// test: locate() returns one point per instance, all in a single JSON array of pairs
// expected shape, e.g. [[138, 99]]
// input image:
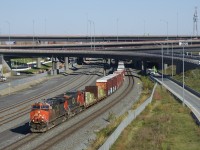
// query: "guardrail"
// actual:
[[132, 115]]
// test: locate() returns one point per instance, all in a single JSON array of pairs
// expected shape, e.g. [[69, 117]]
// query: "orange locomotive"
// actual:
[[47, 114]]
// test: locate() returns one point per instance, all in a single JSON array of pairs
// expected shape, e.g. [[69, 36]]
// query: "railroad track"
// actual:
[[17, 114], [59, 137], [32, 136], [73, 128]]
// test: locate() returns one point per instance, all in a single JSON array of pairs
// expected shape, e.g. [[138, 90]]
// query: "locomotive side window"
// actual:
[[45, 107], [35, 107]]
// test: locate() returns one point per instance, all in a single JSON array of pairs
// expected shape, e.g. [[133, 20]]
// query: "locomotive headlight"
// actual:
[[33, 120]]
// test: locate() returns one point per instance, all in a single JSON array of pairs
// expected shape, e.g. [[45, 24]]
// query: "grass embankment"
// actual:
[[23, 61], [39, 70], [168, 71], [103, 134], [165, 124], [192, 78]]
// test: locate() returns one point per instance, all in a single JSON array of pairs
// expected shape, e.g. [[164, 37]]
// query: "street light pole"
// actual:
[[167, 33], [162, 63], [172, 60], [9, 33], [144, 27], [45, 26], [90, 33], [162, 59], [33, 31], [183, 44], [92, 22], [183, 76], [94, 34], [117, 28]]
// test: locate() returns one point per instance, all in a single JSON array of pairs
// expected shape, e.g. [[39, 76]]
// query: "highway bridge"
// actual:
[[143, 57]]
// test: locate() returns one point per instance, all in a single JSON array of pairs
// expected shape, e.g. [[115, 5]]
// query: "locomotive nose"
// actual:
[[38, 117]]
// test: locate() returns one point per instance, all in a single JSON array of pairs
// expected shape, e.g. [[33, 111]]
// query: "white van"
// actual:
[[3, 78]]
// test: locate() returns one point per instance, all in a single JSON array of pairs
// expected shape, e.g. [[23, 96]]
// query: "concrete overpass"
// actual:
[[140, 58], [98, 38], [141, 49]]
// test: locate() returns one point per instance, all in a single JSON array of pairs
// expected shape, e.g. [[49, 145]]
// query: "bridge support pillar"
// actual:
[[104, 72], [108, 61], [55, 66], [104, 68], [66, 63], [144, 67], [38, 62], [165, 67], [1, 65]]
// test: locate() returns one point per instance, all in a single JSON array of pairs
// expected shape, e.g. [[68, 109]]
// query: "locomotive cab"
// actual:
[[39, 116]]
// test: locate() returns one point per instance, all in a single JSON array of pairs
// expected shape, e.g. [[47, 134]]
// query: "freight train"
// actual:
[[51, 112]]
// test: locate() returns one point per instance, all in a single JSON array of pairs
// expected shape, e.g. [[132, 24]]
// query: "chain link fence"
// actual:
[[131, 116]]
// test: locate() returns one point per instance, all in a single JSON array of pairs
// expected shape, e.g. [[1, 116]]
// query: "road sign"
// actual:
[[183, 43]]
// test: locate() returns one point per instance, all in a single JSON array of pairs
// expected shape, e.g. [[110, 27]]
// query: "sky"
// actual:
[[99, 17]]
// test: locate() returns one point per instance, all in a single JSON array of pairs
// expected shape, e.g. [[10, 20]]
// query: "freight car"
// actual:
[[47, 114]]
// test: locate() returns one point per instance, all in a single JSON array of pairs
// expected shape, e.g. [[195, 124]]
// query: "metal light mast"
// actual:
[[195, 21]]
